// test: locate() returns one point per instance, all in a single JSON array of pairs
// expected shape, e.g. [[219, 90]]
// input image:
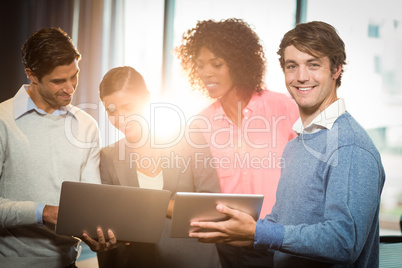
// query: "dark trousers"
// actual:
[[232, 257], [127, 256]]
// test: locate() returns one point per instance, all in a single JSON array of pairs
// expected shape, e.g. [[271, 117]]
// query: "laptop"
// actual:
[[190, 206], [133, 214]]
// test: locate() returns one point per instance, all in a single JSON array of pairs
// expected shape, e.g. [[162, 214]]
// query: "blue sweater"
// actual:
[[328, 200]]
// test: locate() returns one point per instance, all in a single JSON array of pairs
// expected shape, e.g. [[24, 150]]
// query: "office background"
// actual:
[[143, 33]]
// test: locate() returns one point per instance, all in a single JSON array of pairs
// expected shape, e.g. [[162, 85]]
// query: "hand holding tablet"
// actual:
[[237, 230], [191, 207]]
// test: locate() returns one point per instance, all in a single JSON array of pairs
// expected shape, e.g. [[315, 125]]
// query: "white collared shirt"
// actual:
[[325, 119], [148, 182]]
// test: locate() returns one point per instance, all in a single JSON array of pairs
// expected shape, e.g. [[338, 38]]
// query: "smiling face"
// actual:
[[310, 81], [214, 73], [54, 89]]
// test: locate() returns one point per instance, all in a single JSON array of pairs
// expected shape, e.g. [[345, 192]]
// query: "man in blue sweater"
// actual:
[[328, 198]]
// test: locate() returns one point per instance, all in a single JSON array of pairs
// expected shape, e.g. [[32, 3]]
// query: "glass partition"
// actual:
[[372, 82]]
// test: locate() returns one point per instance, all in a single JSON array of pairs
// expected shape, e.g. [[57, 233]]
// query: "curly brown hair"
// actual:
[[235, 42]]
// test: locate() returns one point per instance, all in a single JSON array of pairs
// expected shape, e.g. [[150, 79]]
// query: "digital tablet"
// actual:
[[133, 214], [202, 206]]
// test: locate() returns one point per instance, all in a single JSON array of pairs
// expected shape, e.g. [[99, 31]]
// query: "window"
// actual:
[[377, 64], [143, 39], [372, 88], [373, 30]]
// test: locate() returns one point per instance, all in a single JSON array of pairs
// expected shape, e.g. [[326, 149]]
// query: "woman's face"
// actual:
[[214, 73], [125, 109]]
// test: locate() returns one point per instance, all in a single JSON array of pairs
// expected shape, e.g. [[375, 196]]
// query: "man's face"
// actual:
[[310, 81], [56, 88], [214, 73]]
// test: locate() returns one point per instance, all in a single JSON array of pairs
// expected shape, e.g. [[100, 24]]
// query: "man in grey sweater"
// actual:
[[328, 197], [44, 140]]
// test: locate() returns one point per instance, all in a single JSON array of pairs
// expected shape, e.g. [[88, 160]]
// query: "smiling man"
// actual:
[[328, 197], [44, 140]]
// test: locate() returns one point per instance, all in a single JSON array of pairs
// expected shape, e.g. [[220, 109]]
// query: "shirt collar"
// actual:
[[325, 119], [252, 104], [23, 104]]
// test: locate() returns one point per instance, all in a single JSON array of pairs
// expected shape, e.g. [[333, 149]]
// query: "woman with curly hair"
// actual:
[[248, 126]]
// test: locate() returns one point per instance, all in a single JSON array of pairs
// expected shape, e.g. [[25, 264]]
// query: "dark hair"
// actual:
[[232, 40], [318, 39], [47, 49], [120, 77]]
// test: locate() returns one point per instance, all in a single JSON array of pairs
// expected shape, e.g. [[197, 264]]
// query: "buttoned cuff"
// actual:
[[39, 213]]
